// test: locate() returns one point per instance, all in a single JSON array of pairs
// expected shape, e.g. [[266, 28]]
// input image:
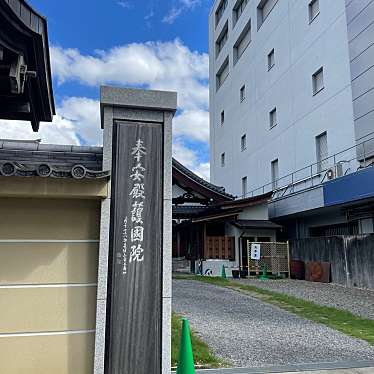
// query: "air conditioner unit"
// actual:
[[330, 174], [335, 172]]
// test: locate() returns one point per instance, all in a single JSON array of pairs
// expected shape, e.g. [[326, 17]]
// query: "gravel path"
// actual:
[[249, 333], [354, 300]]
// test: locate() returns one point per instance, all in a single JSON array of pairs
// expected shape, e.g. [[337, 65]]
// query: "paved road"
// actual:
[[342, 367], [250, 333], [354, 300], [369, 370]]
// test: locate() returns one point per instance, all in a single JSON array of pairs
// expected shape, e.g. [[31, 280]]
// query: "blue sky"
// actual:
[[158, 44]]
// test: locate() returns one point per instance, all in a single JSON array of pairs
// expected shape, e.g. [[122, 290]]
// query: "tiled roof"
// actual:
[[30, 158], [197, 179]]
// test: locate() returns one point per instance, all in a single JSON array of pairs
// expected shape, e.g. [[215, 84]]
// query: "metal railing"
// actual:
[[339, 164]]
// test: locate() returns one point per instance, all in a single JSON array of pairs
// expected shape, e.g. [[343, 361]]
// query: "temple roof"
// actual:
[[189, 178], [25, 72], [30, 157]]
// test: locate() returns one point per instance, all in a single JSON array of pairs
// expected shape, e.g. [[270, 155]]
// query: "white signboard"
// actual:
[[255, 251]]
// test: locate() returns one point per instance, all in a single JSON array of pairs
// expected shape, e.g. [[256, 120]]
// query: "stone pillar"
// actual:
[[127, 116]]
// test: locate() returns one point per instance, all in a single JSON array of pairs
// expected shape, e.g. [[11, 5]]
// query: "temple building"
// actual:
[[211, 228]]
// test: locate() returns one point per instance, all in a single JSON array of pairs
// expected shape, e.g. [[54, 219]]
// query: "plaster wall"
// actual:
[[258, 212], [48, 284]]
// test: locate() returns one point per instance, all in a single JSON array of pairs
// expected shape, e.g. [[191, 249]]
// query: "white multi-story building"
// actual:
[[291, 83]]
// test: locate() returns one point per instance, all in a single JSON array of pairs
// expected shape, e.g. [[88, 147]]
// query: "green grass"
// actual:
[[337, 319], [202, 355]]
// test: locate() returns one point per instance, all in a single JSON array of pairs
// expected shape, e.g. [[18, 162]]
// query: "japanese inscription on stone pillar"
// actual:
[[134, 313]]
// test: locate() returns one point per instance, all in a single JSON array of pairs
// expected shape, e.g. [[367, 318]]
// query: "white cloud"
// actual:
[[190, 3], [124, 4], [193, 124], [189, 158], [155, 65], [158, 65], [84, 114], [77, 121], [203, 170], [181, 7], [149, 15], [61, 131], [172, 15]]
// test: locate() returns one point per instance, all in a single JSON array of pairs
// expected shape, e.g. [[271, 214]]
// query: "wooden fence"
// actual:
[[351, 257]]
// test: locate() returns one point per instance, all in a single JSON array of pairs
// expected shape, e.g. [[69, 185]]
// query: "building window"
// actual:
[[273, 118], [322, 152], [222, 117], [223, 73], [220, 10], [242, 93], [239, 9], [313, 10], [271, 59], [243, 41], [244, 187], [263, 10], [223, 160], [317, 79], [274, 174], [222, 39], [243, 142]]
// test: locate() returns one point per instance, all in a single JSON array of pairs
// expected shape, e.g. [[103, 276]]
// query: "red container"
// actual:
[[297, 269]]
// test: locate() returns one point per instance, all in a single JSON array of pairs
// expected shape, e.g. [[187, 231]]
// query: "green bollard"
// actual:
[[186, 363], [223, 272], [264, 273]]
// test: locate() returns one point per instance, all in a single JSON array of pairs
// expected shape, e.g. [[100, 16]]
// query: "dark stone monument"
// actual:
[[134, 290]]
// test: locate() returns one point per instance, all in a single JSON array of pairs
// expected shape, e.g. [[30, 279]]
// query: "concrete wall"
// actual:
[[360, 21], [301, 48], [48, 280], [297, 203]]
